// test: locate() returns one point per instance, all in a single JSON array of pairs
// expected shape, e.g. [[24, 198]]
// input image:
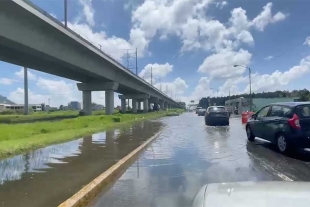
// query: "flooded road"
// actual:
[[49, 176], [189, 154]]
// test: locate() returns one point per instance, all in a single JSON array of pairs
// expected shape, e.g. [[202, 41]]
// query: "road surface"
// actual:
[[189, 154]]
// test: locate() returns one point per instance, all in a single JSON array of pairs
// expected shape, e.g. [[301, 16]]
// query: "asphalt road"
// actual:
[[189, 154]]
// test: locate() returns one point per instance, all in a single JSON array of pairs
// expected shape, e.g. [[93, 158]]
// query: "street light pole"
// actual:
[[65, 12], [250, 82]]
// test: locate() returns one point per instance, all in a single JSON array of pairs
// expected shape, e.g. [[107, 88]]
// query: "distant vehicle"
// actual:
[[285, 194], [201, 112], [287, 125], [198, 109], [216, 115]]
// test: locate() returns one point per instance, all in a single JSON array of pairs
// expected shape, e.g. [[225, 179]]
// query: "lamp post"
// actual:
[[249, 82]]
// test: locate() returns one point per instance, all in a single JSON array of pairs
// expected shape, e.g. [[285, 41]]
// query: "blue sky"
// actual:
[[191, 45]]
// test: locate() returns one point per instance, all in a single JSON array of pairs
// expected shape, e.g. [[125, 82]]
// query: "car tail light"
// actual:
[[294, 122]]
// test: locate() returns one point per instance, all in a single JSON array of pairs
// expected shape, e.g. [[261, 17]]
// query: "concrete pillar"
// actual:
[[109, 102], [145, 105], [150, 107], [134, 105], [123, 105], [162, 105], [139, 105], [26, 106], [165, 105], [87, 102]]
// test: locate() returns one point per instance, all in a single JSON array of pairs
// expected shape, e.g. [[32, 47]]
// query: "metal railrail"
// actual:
[[92, 45]]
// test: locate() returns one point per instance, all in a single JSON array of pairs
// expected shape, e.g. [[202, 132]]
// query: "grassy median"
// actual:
[[17, 138]]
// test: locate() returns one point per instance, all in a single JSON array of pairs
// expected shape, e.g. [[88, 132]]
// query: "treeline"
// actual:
[[303, 95]]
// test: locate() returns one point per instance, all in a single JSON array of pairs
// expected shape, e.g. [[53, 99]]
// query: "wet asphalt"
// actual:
[[185, 156], [188, 155]]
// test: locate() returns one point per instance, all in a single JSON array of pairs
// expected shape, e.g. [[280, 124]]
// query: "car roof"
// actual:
[[291, 104], [216, 106]]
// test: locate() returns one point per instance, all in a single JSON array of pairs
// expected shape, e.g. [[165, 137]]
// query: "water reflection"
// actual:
[[64, 168]]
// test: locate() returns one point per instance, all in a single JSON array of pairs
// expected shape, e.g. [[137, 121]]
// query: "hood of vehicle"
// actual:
[[254, 194]]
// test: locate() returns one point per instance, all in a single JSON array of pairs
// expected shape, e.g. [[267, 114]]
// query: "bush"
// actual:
[[82, 113], [116, 119], [7, 112]]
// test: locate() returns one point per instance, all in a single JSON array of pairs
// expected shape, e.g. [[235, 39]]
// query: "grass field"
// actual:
[[17, 138]]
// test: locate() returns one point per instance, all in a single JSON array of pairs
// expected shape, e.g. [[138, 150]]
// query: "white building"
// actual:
[[35, 107]]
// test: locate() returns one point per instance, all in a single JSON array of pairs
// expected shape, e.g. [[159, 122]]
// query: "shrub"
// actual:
[[82, 113], [116, 119]]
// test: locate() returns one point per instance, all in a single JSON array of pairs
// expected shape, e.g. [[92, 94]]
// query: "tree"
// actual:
[[61, 107]]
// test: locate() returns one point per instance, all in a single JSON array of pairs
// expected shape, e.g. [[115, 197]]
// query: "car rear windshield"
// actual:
[[217, 109], [304, 111]]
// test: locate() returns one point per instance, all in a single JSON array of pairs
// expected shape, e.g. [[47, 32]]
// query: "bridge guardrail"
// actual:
[[91, 44]]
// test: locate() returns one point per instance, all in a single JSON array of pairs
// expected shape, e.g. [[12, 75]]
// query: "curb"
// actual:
[[106, 179]]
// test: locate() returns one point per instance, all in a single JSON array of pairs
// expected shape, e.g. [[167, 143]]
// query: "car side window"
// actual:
[[276, 111], [263, 112]]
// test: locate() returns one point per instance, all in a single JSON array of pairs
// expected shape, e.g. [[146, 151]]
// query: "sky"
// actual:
[[191, 46]]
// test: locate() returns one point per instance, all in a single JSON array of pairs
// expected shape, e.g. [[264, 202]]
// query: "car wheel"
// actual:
[[282, 144], [227, 123], [249, 134]]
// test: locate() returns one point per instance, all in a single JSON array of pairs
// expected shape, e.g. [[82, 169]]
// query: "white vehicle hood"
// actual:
[[252, 194]]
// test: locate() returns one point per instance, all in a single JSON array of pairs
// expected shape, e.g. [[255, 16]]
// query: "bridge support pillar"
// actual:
[[134, 105], [145, 105], [109, 102], [150, 107], [139, 105], [123, 105], [87, 103], [166, 105], [162, 105]]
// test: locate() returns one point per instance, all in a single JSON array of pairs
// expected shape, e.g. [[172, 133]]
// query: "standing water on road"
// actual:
[[49, 176], [188, 154]]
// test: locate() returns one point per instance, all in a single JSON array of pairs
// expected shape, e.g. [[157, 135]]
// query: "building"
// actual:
[[75, 105], [35, 107], [243, 104], [182, 104]]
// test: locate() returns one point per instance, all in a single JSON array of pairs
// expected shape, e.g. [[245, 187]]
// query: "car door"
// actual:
[[257, 124], [271, 124]]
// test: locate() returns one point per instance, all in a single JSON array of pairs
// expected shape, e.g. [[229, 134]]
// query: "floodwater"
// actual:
[[188, 155], [49, 176]]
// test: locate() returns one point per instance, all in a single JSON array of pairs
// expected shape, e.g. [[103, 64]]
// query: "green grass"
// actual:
[[17, 138]]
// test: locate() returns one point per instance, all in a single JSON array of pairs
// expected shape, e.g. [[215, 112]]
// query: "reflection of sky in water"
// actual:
[[38, 160]]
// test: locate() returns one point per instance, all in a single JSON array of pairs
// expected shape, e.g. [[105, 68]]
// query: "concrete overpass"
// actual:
[[32, 38]]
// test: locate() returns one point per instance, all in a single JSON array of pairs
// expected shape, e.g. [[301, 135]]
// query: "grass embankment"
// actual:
[[17, 138], [42, 116]]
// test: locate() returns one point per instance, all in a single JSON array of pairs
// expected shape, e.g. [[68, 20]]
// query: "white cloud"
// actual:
[[188, 21], [6, 81], [20, 74], [265, 18], [269, 57], [17, 96], [173, 89], [88, 11], [113, 46], [221, 65], [307, 41], [277, 80], [221, 4], [158, 70]]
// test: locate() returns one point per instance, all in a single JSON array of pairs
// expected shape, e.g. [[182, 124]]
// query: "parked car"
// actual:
[[216, 115], [254, 194], [287, 125], [201, 112]]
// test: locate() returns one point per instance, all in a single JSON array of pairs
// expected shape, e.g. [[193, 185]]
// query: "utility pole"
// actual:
[[26, 107], [151, 76], [65, 12], [136, 61], [160, 82], [250, 89], [127, 60]]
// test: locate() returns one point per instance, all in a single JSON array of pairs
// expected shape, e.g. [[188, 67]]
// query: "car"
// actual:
[[254, 194], [216, 115], [197, 109], [201, 112], [287, 125]]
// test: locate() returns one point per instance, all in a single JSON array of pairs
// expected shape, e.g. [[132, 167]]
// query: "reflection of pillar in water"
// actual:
[[86, 146], [110, 139]]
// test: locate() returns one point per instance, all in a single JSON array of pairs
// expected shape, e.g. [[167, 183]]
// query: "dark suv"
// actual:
[[287, 125]]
